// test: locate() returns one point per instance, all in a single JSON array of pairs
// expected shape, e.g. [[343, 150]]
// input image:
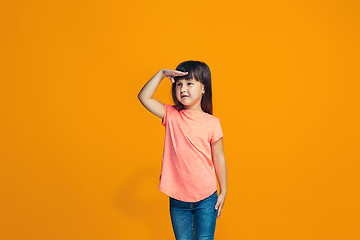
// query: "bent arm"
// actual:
[[150, 87], [146, 95]]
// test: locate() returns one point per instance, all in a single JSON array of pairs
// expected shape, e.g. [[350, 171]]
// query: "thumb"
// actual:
[[217, 205]]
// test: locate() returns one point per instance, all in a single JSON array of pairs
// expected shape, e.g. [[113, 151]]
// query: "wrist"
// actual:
[[223, 192], [161, 73]]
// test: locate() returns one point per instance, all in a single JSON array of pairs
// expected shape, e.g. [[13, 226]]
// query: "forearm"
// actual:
[[221, 173], [150, 87]]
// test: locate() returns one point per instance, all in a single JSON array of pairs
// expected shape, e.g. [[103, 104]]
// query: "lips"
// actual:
[[185, 96]]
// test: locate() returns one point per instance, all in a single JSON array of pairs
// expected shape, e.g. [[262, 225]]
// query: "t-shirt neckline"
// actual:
[[192, 110]]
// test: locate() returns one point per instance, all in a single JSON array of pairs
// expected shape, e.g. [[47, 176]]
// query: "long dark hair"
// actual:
[[201, 72]]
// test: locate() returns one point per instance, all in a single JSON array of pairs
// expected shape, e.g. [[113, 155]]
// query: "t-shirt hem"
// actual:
[[184, 199]]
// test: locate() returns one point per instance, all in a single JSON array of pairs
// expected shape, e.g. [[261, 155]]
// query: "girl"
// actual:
[[193, 150]]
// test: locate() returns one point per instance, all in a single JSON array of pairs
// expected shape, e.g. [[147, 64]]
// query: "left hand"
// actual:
[[220, 203]]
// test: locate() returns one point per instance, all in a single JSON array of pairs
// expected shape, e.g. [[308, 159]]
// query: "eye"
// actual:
[[190, 83]]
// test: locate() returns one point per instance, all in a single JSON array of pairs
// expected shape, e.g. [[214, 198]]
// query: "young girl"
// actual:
[[193, 150]]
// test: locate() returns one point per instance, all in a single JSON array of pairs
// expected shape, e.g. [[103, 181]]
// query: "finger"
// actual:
[[184, 73], [219, 212], [217, 205]]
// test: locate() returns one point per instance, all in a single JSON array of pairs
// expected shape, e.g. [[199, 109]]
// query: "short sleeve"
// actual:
[[217, 132], [166, 113]]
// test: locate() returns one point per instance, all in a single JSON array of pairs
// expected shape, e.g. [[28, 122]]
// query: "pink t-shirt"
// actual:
[[187, 171]]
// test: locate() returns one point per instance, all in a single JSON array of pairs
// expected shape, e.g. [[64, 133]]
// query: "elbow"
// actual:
[[140, 97]]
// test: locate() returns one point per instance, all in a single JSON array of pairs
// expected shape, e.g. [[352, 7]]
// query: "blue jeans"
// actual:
[[194, 220]]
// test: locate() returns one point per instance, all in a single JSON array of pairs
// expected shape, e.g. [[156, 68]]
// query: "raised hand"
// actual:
[[172, 73]]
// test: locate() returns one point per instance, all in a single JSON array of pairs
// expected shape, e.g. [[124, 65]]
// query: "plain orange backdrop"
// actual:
[[81, 157]]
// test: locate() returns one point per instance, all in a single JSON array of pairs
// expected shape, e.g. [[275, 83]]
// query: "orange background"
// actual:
[[81, 157]]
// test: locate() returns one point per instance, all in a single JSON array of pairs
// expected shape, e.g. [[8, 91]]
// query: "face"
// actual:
[[189, 92]]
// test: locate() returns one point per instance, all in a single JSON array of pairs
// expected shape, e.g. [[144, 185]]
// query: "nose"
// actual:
[[182, 89]]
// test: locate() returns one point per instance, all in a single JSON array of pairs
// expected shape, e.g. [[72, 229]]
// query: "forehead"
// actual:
[[187, 80]]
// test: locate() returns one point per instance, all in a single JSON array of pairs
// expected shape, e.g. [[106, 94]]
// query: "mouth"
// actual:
[[184, 96]]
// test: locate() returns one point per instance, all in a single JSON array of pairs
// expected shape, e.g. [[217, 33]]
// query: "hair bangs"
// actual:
[[192, 69]]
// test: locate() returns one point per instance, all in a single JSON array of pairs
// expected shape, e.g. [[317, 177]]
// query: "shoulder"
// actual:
[[170, 108], [209, 121], [212, 118]]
